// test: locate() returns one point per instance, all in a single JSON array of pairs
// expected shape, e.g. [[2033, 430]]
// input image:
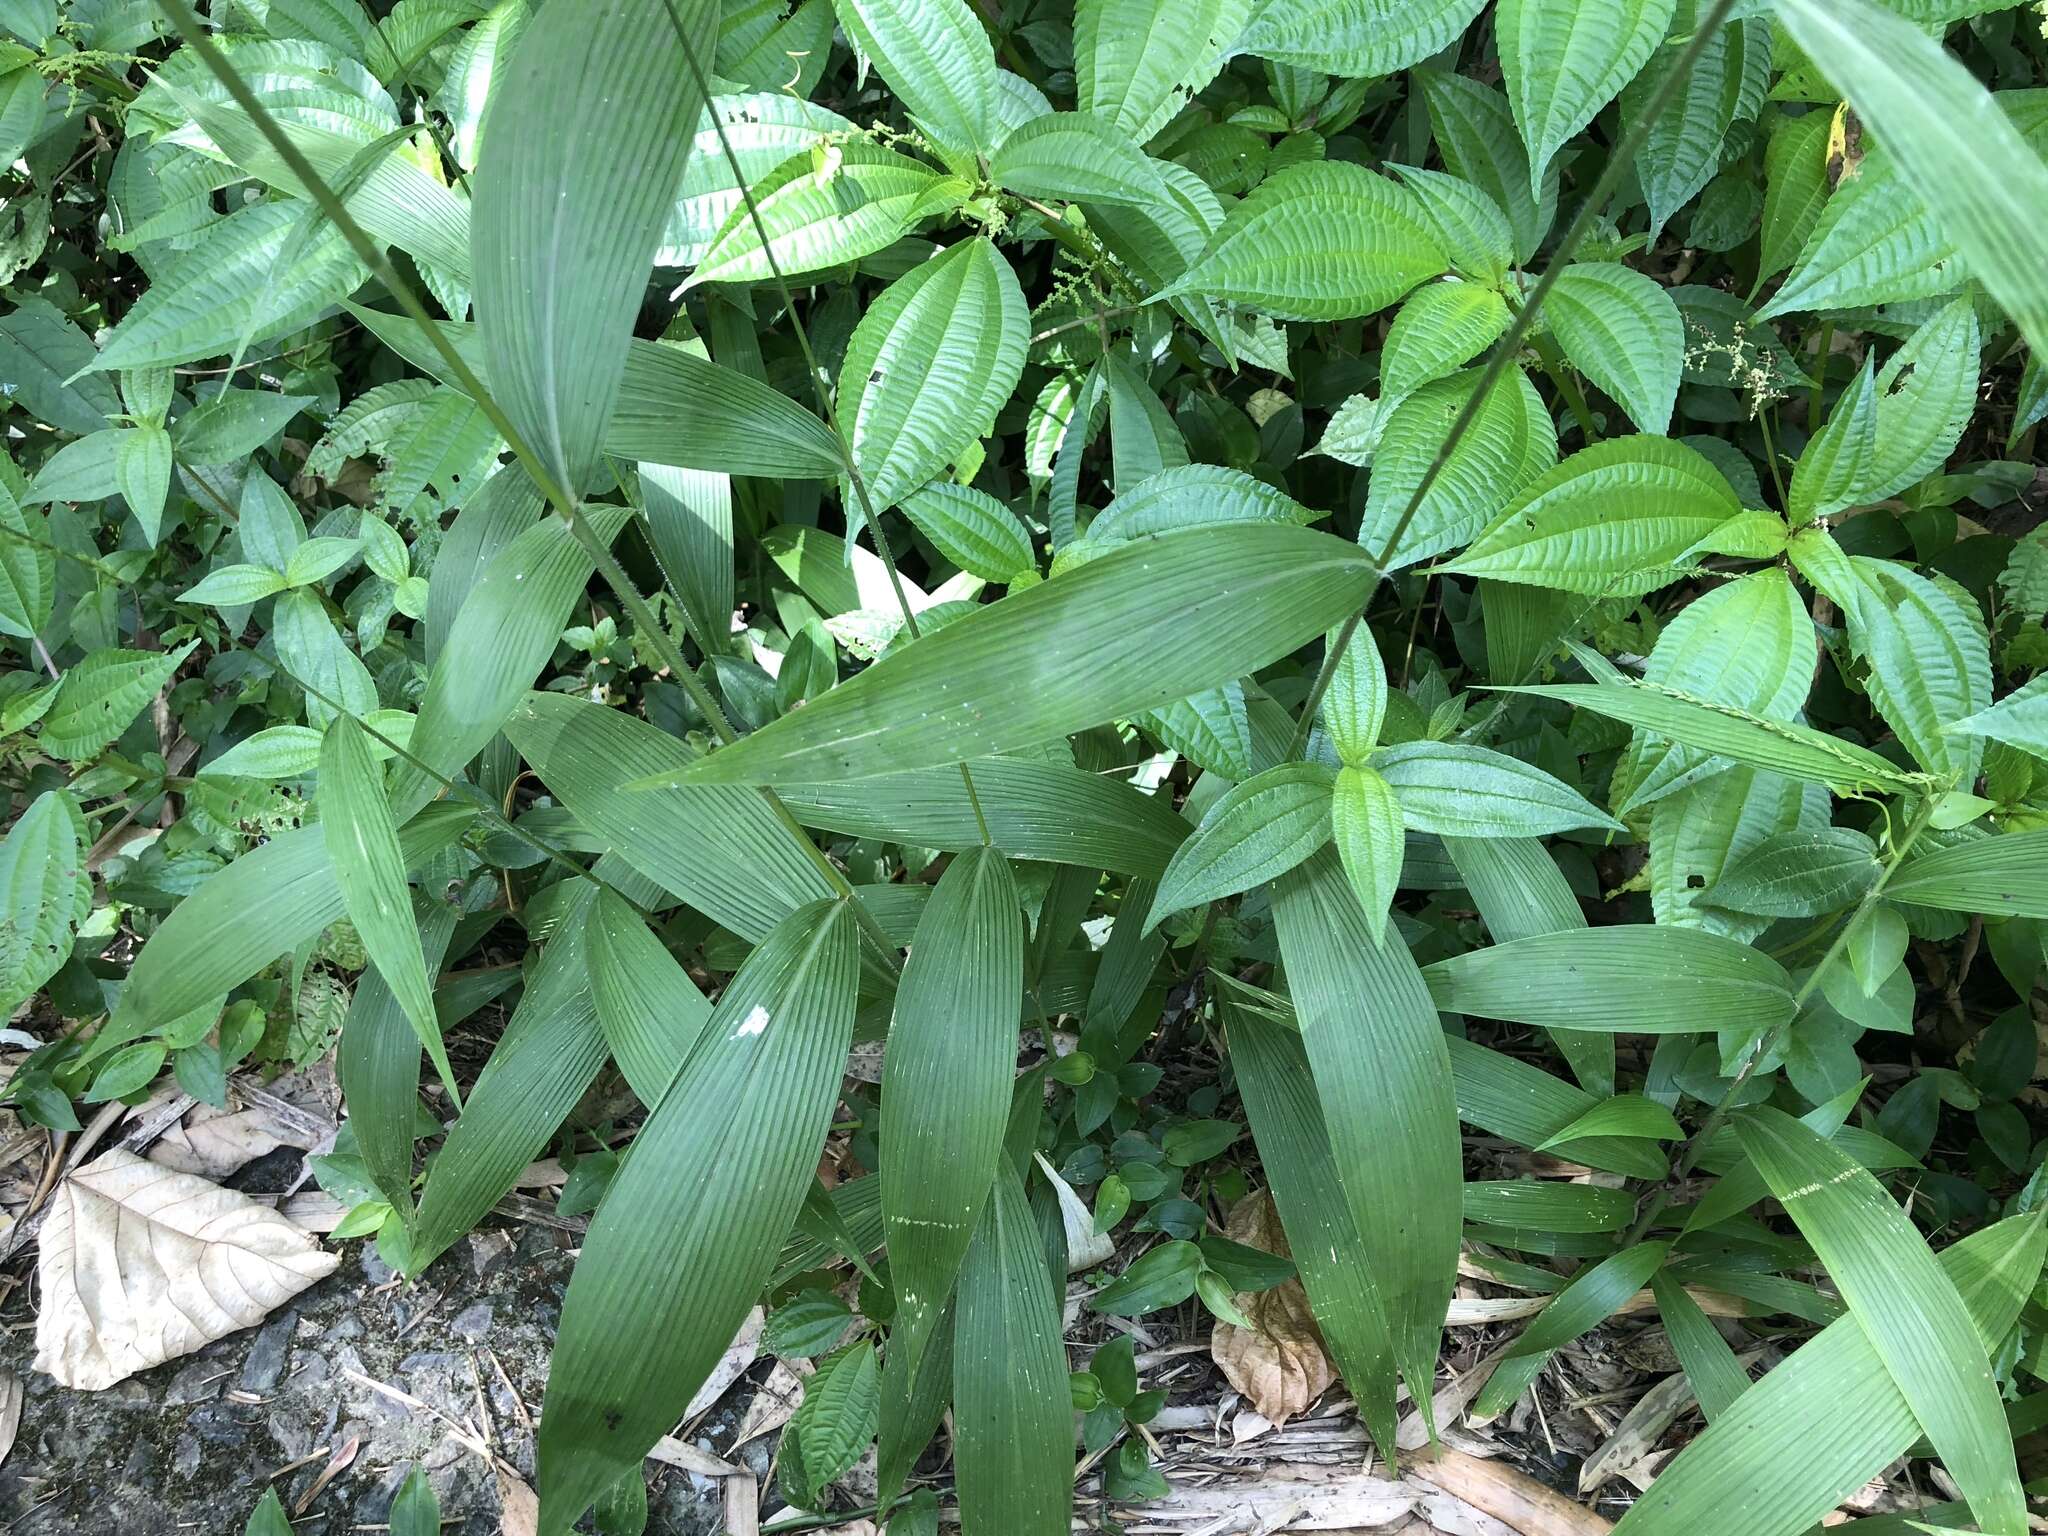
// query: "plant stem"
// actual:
[[1567, 383], [1822, 349]]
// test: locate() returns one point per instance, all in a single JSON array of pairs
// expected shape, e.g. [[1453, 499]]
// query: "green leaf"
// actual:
[[45, 893], [316, 559], [1194, 496], [1321, 241], [1355, 37], [837, 1417], [561, 256], [233, 424], [362, 840], [946, 1082], [666, 1276], [1724, 86], [1355, 703], [293, 751], [970, 528], [1294, 1149], [1875, 242], [1622, 330], [764, 128], [1563, 62], [1629, 1114], [1593, 978], [1367, 826], [1952, 144], [28, 571], [100, 697], [2019, 719], [1930, 663], [1468, 223], [1542, 1205], [1078, 158], [1129, 631], [1998, 876], [1717, 1378], [1925, 394], [1793, 750], [1473, 792], [142, 469], [1800, 874], [1510, 443], [931, 362], [415, 1511], [1475, 128], [1136, 62], [1910, 1311], [1839, 459], [1256, 832], [1795, 188], [651, 1013], [1212, 730], [937, 59], [1162, 1277], [1438, 329], [1593, 1296], [1385, 1084], [1013, 1447], [1612, 518], [269, 1518]]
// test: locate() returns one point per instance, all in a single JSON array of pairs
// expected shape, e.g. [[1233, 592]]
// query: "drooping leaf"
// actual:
[[1256, 832], [937, 58], [1622, 330], [650, 1011], [1564, 62]]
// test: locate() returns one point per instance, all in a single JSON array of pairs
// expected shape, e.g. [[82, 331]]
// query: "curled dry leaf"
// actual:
[[741, 1353], [1086, 1247], [1278, 1363], [142, 1264]]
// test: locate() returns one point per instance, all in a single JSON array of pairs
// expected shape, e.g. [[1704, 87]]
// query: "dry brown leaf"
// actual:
[[141, 1264], [518, 1505], [742, 1505], [10, 1411], [1511, 1497], [1278, 1363], [741, 1353], [214, 1143], [775, 1404], [1086, 1247]]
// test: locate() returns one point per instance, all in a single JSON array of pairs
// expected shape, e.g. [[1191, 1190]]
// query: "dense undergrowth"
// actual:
[[1251, 590]]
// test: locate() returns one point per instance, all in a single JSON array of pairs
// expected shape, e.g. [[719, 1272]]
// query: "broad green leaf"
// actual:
[[313, 652], [1321, 241], [1464, 791], [1908, 1308], [1212, 730], [1724, 86], [1953, 146], [1611, 519], [1564, 61], [1800, 874], [265, 904], [1355, 37], [28, 571], [79, 471], [45, 893], [1193, 496], [937, 59], [1469, 224], [1716, 1377], [1256, 832], [1875, 242], [1355, 703], [317, 559], [1437, 330], [1840, 459], [1475, 128], [862, 198], [1925, 394], [489, 520], [2000, 876], [1930, 663], [560, 255], [722, 850], [227, 288], [2019, 719], [1795, 188], [1793, 750], [931, 362], [1622, 330], [1013, 1447], [42, 352], [666, 1276], [1136, 62], [1367, 826], [1593, 1296], [970, 528], [1130, 631], [142, 469], [1629, 1114], [1295, 1151], [650, 1011], [1078, 158], [1704, 827], [362, 841], [100, 697], [1725, 1484], [946, 1081], [1509, 444], [764, 129], [1593, 978], [415, 1511], [836, 1419], [1385, 1084]]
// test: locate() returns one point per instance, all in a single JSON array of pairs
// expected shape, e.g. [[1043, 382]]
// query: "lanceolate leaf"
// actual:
[[666, 1274], [937, 57], [1994, 875], [1367, 826], [362, 842], [1355, 37], [1564, 62], [1126, 632], [946, 1081], [651, 1013], [1839, 460], [1473, 792], [1623, 332], [560, 255], [1013, 1429], [1385, 1084], [1137, 61], [1908, 1308], [1256, 832], [1592, 1297], [1078, 158]]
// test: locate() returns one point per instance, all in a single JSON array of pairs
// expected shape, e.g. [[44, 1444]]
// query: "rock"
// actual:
[[197, 1382], [265, 1365], [185, 1455], [472, 1322]]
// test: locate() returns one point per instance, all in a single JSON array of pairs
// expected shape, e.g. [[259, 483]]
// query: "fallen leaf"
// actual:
[[1511, 1497], [741, 1353], [10, 1411], [1278, 1363], [1086, 1247], [214, 1143], [141, 1264], [775, 1404], [518, 1505]]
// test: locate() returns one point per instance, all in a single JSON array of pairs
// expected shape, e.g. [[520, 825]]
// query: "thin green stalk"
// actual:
[[825, 406], [1763, 421], [1525, 319], [1814, 403], [1689, 1156], [1567, 383]]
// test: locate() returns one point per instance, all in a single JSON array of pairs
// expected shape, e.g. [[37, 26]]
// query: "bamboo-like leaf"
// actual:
[[1592, 978], [946, 1083], [560, 256], [1129, 631], [666, 1276], [1717, 1378], [651, 1013], [2003, 876], [1384, 1079], [362, 841], [1592, 1297], [1256, 832], [1910, 1311]]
